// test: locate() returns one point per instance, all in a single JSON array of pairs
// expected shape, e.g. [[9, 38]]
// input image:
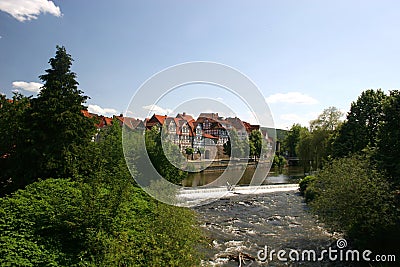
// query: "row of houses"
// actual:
[[205, 134]]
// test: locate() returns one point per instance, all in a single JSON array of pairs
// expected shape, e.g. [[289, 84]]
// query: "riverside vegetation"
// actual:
[[68, 201], [356, 186]]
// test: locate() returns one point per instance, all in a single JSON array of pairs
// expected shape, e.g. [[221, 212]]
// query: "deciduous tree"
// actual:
[[361, 126], [255, 143], [14, 142], [292, 138], [388, 143]]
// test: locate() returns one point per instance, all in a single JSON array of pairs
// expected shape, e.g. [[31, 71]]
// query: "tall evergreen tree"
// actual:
[[59, 126]]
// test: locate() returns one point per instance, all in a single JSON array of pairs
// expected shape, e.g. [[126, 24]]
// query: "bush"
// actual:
[[356, 199], [42, 225], [306, 188], [303, 184], [279, 161], [57, 222], [310, 194]]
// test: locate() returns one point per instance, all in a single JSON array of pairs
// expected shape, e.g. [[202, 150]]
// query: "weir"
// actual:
[[198, 195]]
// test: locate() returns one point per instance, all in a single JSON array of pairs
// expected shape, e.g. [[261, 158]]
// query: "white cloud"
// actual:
[[102, 111], [285, 121], [157, 109], [31, 86], [29, 9], [292, 98], [291, 117]]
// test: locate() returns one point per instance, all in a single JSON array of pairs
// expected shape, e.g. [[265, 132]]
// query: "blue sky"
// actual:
[[303, 55]]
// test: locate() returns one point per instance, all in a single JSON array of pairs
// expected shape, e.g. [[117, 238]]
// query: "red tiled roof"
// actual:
[[86, 113], [191, 124], [120, 118], [179, 124], [209, 136], [155, 120], [249, 127], [108, 121], [160, 118], [236, 123], [136, 123], [185, 117], [213, 116]]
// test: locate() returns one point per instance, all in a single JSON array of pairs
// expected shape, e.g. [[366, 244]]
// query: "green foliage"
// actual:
[[349, 193], [98, 217], [328, 120], [57, 222], [157, 152], [13, 142], [305, 182], [354, 198], [58, 125], [189, 151], [292, 138], [304, 150], [42, 225], [307, 188], [279, 161], [128, 227], [389, 138], [240, 148], [361, 126], [313, 146], [255, 143], [43, 135]]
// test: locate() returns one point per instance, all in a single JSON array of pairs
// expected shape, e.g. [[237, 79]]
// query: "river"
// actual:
[[286, 176], [240, 226]]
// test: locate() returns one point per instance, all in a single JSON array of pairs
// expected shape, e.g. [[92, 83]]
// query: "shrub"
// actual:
[[279, 161], [303, 184], [306, 187], [57, 222], [356, 199], [41, 225]]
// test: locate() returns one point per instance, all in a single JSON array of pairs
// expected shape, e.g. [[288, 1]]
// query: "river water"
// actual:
[[286, 176], [240, 226]]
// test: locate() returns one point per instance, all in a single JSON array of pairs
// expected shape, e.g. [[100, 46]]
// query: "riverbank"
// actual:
[[244, 224]]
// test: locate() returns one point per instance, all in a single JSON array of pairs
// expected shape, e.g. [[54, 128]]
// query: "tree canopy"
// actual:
[[68, 201], [58, 125], [361, 126], [313, 145], [388, 137]]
